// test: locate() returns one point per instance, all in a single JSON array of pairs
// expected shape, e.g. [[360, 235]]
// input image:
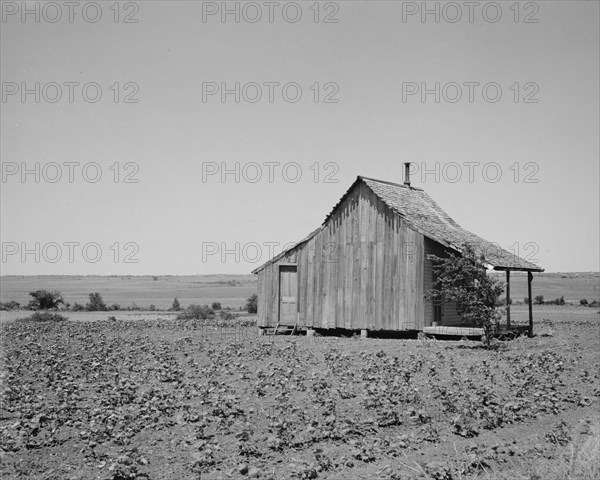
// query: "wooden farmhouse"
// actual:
[[368, 266]]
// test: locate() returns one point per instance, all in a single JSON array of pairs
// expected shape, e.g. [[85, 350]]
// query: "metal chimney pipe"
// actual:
[[407, 174]]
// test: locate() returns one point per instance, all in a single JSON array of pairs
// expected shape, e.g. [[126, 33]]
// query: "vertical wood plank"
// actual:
[[333, 272], [401, 239], [261, 299], [380, 267], [394, 273], [427, 281], [349, 262], [310, 282], [340, 268], [363, 223], [408, 277], [273, 286], [529, 279], [303, 281], [372, 259], [331, 294], [318, 280], [508, 298], [419, 317], [324, 293], [356, 261], [387, 271]]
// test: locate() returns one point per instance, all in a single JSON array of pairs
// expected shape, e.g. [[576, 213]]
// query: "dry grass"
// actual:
[[579, 460], [583, 463]]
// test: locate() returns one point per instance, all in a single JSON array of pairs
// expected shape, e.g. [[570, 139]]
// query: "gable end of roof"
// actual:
[[423, 215]]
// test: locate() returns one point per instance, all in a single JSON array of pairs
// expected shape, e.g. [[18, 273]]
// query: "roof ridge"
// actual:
[[362, 177], [423, 214]]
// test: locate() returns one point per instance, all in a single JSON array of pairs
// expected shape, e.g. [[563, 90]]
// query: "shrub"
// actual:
[[583, 301], [78, 307], [45, 300], [152, 308], [175, 307], [252, 304], [216, 306], [227, 315], [45, 317], [96, 304], [538, 300], [134, 307], [10, 305], [594, 304], [115, 306], [526, 300], [464, 279], [196, 312]]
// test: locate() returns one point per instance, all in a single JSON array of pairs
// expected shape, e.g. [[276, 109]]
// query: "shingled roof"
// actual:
[[420, 212]]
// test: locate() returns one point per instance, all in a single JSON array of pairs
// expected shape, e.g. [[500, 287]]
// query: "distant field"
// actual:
[[573, 286], [519, 314], [95, 316], [229, 290], [233, 290]]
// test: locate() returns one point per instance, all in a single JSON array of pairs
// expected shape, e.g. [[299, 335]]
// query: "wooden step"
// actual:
[[454, 331], [278, 330]]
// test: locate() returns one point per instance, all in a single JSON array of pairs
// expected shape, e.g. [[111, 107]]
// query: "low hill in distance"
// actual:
[[233, 290]]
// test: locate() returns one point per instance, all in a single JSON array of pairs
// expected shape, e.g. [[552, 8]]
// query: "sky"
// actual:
[[173, 137]]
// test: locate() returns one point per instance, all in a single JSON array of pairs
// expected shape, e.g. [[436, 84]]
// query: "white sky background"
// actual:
[[171, 212]]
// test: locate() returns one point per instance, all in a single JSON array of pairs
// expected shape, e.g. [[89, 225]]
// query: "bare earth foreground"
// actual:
[[169, 399]]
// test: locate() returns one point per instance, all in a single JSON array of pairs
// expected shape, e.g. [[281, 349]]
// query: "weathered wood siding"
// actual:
[[268, 291], [363, 270]]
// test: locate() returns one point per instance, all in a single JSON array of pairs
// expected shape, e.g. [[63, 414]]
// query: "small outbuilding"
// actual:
[[368, 266]]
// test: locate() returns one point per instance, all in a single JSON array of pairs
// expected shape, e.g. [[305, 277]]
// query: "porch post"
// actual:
[[529, 279], [508, 299]]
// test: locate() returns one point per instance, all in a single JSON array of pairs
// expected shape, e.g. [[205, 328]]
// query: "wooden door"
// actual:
[[288, 291]]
